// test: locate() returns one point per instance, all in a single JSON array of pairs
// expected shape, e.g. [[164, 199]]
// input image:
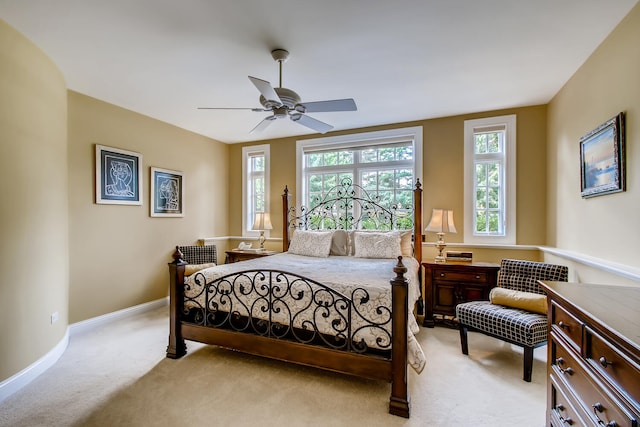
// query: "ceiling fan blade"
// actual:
[[266, 89], [329, 106], [231, 108], [311, 123], [263, 124]]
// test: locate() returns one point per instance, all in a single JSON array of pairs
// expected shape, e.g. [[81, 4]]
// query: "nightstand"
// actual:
[[235, 255], [449, 284]]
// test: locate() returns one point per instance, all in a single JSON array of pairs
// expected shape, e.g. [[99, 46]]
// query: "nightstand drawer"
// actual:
[[568, 325], [621, 372], [461, 276]]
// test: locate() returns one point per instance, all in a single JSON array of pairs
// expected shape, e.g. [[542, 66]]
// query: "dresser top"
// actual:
[[615, 307]]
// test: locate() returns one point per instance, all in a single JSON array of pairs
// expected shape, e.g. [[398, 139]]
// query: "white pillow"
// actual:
[[406, 240], [406, 244], [311, 243], [377, 245]]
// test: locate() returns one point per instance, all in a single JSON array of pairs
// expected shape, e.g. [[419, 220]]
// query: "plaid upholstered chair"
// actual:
[[199, 254], [514, 325]]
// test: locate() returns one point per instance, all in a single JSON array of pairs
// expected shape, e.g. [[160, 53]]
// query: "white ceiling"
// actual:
[[400, 60]]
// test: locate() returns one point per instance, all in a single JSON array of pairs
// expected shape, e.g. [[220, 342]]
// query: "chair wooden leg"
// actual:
[[463, 338], [528, 364]]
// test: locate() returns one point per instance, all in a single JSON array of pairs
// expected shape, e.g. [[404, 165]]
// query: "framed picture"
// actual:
[[118, 176], [602, 159], [166, 192]]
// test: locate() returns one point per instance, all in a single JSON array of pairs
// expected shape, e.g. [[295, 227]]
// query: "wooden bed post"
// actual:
[[399, 400], [417, 221], [285, 219], [177, 347]]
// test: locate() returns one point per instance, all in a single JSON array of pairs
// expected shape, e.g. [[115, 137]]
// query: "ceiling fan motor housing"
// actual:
[[288, 97]]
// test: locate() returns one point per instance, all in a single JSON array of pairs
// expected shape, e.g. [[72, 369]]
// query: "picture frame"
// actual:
[[166, 193], [602, 159], [118, 176]]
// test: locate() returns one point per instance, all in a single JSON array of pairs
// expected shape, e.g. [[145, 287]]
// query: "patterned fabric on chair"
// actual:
[[199, 254], [513, 325]]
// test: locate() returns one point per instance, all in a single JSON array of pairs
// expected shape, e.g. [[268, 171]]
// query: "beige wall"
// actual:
[[119, 254], [34, 210], [605, 227], [443, 173]]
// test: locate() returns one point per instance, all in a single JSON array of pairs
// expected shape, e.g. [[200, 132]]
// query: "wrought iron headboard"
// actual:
[[349, 206]]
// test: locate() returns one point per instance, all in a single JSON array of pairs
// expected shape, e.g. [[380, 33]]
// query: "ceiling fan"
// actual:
[[283, 102]]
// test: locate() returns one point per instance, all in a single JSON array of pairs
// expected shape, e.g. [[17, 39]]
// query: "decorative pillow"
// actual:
[[529, 301], [339, 241], [189, 269], [406, 244], [376, 245], [311, 243]]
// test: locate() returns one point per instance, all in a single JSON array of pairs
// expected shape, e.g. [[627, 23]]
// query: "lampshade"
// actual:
[[262, 221], [441, 221]]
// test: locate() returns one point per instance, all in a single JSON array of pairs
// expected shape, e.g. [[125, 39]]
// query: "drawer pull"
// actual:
[[604, 362], [477, 277], [599, 408], [563, 325], [559, 363], [441, 274], [568, 420]]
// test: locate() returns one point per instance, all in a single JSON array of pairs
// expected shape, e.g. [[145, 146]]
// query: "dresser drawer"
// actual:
[[460, 276], [602, 408], [563, 408], [623, 373], [567, 324]]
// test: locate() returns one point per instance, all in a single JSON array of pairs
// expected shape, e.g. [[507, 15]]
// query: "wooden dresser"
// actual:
[[593, 355]]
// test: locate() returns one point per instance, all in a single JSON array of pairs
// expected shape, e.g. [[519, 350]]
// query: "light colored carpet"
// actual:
[[117, 375]]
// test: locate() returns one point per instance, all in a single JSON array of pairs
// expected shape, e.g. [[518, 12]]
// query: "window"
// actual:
[[384, 163], [490, 171], [255, 185]]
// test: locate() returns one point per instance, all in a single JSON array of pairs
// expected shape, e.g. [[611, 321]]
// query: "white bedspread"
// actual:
[[346, 275]]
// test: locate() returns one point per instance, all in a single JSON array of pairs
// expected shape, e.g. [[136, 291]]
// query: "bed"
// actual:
[[340, 297]]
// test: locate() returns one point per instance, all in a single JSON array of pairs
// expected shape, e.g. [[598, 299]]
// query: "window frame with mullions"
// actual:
[[360, 142], [505, 159]]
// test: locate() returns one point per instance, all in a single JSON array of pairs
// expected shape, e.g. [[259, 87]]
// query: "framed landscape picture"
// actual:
[[166, 193], [602, 159], [118, 176]]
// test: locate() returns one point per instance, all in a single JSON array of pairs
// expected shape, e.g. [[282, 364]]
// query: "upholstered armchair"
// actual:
[[519, 326], [199, 254]]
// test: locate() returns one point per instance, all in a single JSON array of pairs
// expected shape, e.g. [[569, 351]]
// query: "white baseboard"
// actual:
[[94, 322], [31, 372]]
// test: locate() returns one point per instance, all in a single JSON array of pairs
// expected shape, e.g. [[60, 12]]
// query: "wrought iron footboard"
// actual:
[[283, 305]]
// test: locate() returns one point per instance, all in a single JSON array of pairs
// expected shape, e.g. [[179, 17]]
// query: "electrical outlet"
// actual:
[[54, 317]]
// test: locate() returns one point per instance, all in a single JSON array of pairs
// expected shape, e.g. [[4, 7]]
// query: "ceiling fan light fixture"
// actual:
[[281, 112]]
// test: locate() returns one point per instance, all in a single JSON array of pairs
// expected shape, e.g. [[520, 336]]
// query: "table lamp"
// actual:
[[441, 223], [262, 222]]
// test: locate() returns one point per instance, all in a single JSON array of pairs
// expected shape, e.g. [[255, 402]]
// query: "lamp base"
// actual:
[[440, 245], [261, 239]]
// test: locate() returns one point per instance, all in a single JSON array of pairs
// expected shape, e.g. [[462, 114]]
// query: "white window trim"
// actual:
[[357, 140], [246, 152], [509, 122]]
